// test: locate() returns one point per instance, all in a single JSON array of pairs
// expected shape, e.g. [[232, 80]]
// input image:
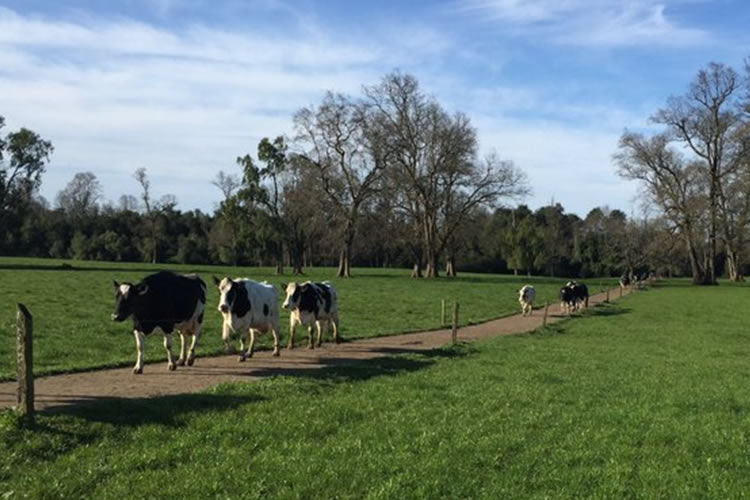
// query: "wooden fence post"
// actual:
[[442, 312], [620, 292], [25, 363], [454, 332], [607, 299], [546, 308]]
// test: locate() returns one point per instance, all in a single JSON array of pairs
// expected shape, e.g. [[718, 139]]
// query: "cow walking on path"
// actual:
[[526, 296], [312, 303], [167, 301], [248, 307]]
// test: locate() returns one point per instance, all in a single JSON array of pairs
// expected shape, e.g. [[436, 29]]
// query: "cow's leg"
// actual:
[[139, 344], [243, 340], [183, 343], [251, 348], [310, 343], [292, 326], [275, 342], [226, 336], [335, 324], [194, 344], [318, 327], [168, 346]]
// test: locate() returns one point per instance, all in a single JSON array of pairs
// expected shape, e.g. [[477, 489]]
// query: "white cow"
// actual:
[[248, 307], [526, 296], [312, 303]]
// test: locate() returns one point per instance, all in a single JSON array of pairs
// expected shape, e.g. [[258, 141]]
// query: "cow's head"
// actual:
[[229, 292], [125, 296], [293, 294]]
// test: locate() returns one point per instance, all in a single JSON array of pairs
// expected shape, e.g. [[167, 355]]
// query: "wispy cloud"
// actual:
[[612, 23]]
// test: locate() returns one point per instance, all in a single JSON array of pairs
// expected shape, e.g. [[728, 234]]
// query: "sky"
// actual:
[[184, 87]]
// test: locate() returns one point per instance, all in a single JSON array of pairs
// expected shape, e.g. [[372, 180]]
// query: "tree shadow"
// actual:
[[168, 411]]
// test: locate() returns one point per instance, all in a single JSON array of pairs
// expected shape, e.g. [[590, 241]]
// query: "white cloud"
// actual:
[[596, 23], [114, 95]]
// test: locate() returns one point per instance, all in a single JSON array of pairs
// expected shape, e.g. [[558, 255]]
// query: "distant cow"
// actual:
[[167, 301], [624, 281], [248, 307], [573, 297], [567, 299], [312, 303], [526, 296]]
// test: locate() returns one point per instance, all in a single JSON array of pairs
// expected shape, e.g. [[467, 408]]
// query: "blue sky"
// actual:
[[183, 87]]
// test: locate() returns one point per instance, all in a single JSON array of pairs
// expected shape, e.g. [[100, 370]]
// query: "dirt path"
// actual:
[[75, 388]]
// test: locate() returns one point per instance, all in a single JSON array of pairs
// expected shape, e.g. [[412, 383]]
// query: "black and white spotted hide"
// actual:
[[312, 303]]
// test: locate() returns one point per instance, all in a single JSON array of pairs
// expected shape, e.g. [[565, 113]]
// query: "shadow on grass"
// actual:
[[69, 267], [165, 410]]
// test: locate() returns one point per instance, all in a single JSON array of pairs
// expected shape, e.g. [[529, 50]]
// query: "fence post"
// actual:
[[620, 292], [546, 308], [25, 363], [454, 332], [607, 299], [442, 312]]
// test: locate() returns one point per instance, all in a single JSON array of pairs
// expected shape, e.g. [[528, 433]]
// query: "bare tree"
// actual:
[[81, 195], [346, 153], [434, 163], [708, 120], [227, 183], [674, 185]]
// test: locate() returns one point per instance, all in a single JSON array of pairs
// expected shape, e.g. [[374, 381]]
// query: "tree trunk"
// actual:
[[450, 267], [733, 265], [416, 271], [699, 275], [431, 269], [344, 269]]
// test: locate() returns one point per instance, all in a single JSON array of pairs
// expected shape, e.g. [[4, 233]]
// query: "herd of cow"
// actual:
[[172, 302], [573, 297]]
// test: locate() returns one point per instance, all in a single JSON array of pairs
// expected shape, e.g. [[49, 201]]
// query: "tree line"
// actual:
[[390, 178]]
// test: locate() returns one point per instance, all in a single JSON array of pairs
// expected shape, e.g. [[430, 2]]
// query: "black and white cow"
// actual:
[[167, 301], [625, 281], [311, 303], [567, 299], [526, 296], [248, 307], [581, 293]]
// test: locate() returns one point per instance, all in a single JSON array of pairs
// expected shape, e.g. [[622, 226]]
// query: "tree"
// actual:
[[81, 195], [154, 210], [433, 163], [708, 120], [23, 158], [674, 185], [346, 153]]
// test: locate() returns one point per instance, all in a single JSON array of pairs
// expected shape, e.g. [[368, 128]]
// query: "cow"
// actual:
[[526, 296], [311, 303], [581, 294], [625, 281], [167, 301], [567, 299], [247, 306]]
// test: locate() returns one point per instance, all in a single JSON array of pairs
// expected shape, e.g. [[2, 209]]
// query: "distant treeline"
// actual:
[[390, 178]]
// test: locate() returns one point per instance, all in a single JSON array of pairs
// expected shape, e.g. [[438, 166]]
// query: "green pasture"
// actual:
[[646, 398], [72, 307]]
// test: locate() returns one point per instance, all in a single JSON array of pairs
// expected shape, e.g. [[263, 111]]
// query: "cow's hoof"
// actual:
[[138, 370], [171, 367], [290, 346], [310, 346], [190, 361], [241, 359], [276, 353], [318, 344], [180, 362], [336, 340]]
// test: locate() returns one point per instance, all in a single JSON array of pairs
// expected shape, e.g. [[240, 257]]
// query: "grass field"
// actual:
[[648, 397], [72, 307]]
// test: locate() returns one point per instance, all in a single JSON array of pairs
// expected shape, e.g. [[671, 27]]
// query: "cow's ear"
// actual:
[[305, 287], [216, 281], [283, 287], [116, 284], [142, 289]]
